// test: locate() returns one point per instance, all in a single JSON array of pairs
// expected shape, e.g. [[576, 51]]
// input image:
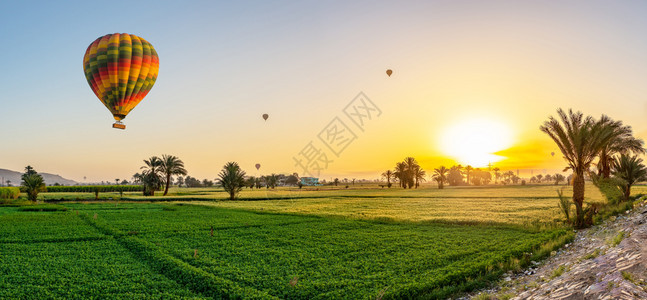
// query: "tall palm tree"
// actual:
[[419, 175], [232, 179], [272, 180], [440, 175], [497, 174], [388, 174], [468, 169], [411, 165], [622, 142], [250, 182], [401, 173], [580, 139], [151, 177], [171, 165], [631, 170]]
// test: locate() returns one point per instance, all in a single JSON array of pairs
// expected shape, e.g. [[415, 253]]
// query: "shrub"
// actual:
[[564, 204], [617, 239], [9, 192], [612, 188]]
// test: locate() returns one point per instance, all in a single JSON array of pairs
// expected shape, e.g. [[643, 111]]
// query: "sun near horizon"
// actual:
[[475, 141]]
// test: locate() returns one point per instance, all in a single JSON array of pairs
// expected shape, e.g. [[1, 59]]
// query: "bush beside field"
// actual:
[[9, 193]]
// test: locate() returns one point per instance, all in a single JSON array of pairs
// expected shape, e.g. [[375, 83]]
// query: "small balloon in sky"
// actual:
[[389, 72], [120, 69], [258, 166], [552, 154], [265, 116]]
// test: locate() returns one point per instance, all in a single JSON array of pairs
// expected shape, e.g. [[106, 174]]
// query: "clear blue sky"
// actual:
[[223, 64]]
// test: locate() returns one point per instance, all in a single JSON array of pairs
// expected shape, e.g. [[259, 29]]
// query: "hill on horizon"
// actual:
[[50, 179]]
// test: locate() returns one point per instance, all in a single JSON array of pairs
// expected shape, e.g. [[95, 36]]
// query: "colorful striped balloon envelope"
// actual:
[[121, 69]]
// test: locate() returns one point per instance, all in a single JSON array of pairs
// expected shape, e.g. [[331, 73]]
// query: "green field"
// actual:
[[288, 243]]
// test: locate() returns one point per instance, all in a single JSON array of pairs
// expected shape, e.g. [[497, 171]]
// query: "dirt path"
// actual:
[[607, 261]]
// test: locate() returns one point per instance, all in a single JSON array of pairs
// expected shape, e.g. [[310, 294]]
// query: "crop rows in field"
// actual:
[[299, 257], [45, 255]]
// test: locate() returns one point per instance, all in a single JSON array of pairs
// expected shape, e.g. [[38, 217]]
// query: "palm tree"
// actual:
[[411, 165], [580, 139], [250, 182], [455, 176], [468, 169], [548, 178], [440, 175], [401, 173], [171, 165], [388, 174], [419, 175], [497, 174], [631, 170], [34, 184], [29, 170], [150, 176], [232, 179], [622, 142], [272, 180]]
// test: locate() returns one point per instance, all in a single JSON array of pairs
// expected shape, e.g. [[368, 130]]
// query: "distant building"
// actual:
[[310, 181]]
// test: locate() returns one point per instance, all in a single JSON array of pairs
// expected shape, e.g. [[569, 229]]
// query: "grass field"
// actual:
[[250, 254], [286, 243]]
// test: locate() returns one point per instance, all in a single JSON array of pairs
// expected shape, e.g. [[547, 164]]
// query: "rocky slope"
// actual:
[[607, 261]]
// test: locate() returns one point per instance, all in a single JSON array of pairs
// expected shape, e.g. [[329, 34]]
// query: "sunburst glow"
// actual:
[[475, 141]]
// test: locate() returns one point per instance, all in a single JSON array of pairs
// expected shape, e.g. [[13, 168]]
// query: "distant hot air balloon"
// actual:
[[258, 166], [265, 116], [121, 69], [552, 154], [389, 72]]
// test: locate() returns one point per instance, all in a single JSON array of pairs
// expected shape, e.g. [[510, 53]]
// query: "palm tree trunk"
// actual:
[[578, 197], [605, 165], [168, 181], [627, 192]]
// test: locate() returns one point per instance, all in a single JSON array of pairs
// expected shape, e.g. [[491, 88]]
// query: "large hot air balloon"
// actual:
[[121, 69], [265, 116], [258, 166], [389, 72]]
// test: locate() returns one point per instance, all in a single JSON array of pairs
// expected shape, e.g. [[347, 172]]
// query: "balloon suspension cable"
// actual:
[[119, 125]]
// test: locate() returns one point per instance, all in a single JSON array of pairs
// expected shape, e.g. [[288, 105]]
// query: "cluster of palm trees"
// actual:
[[459, 175], [582, 140], [269, 181], [557, 178], [407, 173], [157, 172]]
